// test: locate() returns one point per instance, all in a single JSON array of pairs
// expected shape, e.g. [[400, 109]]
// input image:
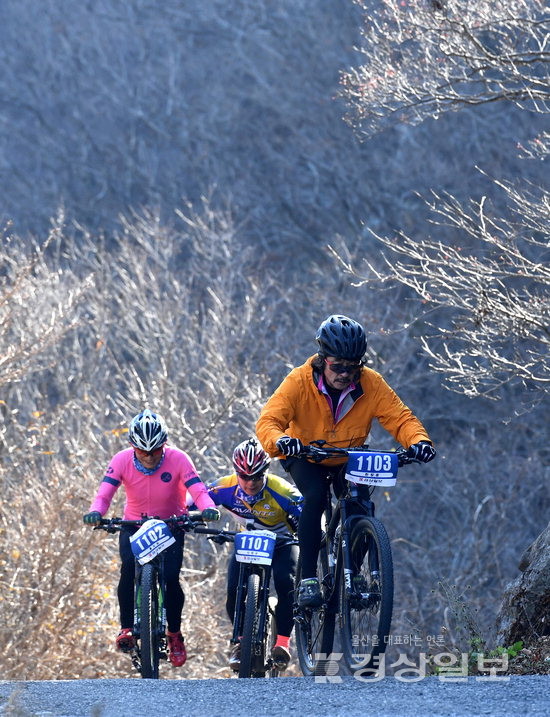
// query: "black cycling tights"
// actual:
[[174, 594], [311, 481]]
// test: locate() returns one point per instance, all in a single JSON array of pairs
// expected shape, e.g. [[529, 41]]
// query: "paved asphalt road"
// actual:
[[390, 697]]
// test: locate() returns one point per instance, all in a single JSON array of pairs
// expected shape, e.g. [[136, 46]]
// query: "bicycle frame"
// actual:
[[343, 517]]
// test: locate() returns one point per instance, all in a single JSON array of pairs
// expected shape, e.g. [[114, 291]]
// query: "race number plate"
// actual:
[[152, 538], [255, 546], [372, 468]]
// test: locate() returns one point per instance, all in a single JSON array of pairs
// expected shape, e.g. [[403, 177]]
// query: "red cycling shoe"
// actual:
[[125, 641], [177, 653]]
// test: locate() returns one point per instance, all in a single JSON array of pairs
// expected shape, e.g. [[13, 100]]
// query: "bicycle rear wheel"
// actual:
[[314, 628], [367, 612], [249, 625], [149, 632]]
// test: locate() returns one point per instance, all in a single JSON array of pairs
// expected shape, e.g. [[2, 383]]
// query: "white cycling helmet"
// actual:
[[147, 431]]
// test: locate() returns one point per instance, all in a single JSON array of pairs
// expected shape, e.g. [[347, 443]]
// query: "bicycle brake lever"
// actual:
[[403, 458]]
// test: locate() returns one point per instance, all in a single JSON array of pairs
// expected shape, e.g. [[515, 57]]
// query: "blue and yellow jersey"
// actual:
[[277, 507]]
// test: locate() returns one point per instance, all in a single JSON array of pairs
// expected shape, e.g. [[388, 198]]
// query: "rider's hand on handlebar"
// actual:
[[423, 451], [210, 514], [92, 518], [289, 446]]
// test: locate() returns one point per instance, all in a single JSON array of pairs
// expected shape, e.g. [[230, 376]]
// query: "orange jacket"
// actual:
[[299, 409]]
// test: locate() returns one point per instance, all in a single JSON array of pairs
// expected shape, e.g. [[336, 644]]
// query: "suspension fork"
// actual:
[[345, 522], [359, 496], [348, 516], [244, 571], [137, 596], [364, 494], [161, 578]]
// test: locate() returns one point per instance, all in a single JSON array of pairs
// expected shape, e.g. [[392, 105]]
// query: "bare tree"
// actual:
[[36, 307], [482, 279], [491, 305], [426, 57], [184, 318]]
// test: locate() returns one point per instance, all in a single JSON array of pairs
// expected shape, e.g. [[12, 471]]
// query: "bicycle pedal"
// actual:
[[126, 649]]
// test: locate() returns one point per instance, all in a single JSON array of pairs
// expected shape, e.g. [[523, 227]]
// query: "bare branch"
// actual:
[[422, 61]]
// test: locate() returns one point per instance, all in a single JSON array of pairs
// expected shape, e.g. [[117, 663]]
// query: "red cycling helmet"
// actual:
[[250, 458]]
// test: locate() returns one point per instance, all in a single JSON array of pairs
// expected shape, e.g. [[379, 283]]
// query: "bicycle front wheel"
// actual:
[[149, 633], [249, 625], [314, 627], [367, 608]]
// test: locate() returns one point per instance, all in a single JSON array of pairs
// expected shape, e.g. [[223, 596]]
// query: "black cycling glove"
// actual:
[[421, 451], [289, 446], [92, 518]]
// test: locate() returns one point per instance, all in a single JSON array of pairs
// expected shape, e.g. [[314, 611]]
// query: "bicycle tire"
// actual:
[[263, 637], [314, 628], [149, 634], [249, 625], [366, 616]]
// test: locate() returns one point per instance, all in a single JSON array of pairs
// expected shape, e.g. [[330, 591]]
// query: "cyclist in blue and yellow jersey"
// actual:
[[253, 494]]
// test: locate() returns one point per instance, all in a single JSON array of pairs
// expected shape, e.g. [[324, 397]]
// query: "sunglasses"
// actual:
[[256, 477], [154, 452], [342, 367]]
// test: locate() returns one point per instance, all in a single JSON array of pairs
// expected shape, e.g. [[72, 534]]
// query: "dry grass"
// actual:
[[533, 659], [206, 350], [74, 611]]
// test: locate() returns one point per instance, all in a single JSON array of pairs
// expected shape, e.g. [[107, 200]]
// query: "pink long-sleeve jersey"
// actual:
[[163, 493]]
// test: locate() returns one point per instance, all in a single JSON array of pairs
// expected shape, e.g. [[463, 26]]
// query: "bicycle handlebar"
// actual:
[[228, 536], [318, 451], [191, 521]]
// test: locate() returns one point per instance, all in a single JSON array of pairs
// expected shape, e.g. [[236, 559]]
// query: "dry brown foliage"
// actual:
[[202, 330]]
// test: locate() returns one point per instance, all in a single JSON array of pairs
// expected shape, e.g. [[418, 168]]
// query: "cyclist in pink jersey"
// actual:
[[156, 479]]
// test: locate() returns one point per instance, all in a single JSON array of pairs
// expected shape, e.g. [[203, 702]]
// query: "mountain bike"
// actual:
[[254, 624], [355, 567], [151, 537]]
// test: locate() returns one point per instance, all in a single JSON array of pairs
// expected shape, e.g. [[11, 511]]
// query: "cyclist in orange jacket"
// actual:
[[334, 397]]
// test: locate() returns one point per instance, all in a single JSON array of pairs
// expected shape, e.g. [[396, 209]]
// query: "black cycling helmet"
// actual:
[[341, 337]]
